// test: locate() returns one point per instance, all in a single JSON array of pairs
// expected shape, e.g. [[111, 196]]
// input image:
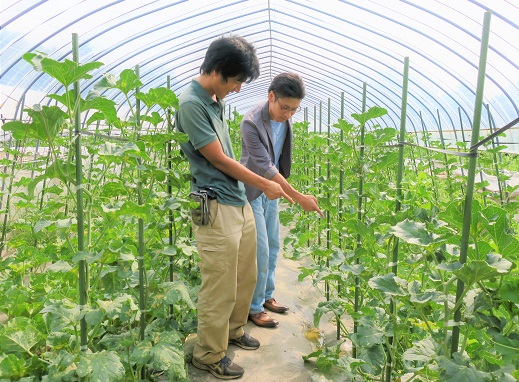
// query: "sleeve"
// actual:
[[257, 149], [195, 122]]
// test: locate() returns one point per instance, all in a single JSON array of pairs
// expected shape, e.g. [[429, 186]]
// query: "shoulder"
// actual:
[[255, 114]]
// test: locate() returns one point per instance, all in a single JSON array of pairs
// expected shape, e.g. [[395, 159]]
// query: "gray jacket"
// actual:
[[257, 153]]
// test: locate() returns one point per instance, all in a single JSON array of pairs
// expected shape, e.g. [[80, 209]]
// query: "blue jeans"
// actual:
[[267, 230]]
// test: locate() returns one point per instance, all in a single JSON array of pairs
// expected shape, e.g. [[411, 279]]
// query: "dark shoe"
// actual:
[[273, 306], [246, 342], [262, 319], [223, 369]]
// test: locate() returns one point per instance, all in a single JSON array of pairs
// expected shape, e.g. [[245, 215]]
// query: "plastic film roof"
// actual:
[[335, 45]]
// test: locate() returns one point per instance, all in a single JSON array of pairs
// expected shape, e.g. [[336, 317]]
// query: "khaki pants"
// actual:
[[227, 248]]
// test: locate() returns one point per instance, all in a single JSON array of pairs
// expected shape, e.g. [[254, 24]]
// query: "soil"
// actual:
[[279, 358]]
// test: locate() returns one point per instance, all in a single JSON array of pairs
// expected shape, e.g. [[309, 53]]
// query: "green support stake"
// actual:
[[140, 230], [431, 167], [359, 211], [83, 293], [328, 195], [442, 140], [494, 156], [171, 222], [467, 212], [399, 177]]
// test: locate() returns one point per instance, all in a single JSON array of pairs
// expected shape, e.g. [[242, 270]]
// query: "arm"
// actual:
[[213, 152], [261, 159], [307, 202]]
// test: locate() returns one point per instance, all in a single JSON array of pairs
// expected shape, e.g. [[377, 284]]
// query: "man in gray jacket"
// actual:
[[267, 151]]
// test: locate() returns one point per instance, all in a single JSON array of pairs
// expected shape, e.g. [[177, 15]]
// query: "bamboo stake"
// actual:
[[341, 191], [399, 176], [359, 211], [467, 212], [494, 156], [83, 298]]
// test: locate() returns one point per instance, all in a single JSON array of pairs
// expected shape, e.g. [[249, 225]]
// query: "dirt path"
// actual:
[[279, 358]]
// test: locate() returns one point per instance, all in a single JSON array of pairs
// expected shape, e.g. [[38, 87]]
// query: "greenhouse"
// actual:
[[279, 190]]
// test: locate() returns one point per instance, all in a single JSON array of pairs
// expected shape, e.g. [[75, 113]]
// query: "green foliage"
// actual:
[[127, 168], [408, 316]]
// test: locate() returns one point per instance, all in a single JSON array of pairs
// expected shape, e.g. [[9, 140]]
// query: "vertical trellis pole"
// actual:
[[79, 195], [319, 188], [328, 195], [445, 159], [140, 232], [494, 156], [341, 191], [359, 211], [427, 143], [399, 176], [315, 160], [171, 222], [467, 209]]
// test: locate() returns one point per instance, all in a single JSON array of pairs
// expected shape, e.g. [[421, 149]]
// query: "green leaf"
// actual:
[[478, 270], [419, 297], [93, 316], [165, 356], [154, 119], [324, 307], [115, 150], [65, 223], [498, 225], [59, 316], [41, 224], [59, 266], [103, 366], [450, 267], [460, 371], [46, 123], [373, 358], [66, 72], [422, 351], [505, 345], [12, 367], [103, 105], [177, 291], [123, 307], [22, 340], [139, 211], [128, 81], [113, 189], [163, 97], [58, 340], [413, 233], [371, 113], [369, 333], [90, 257], [389, 284]]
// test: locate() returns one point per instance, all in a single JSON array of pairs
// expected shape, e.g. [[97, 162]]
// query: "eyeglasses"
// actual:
[[287, 108]]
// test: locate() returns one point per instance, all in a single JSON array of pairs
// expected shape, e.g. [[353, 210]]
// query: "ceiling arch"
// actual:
[[335, 45]]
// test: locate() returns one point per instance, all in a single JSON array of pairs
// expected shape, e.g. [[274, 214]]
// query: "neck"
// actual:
[[205, 80]]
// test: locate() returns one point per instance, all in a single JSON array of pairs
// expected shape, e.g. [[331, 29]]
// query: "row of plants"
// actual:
[[98, 274], [404, 310]]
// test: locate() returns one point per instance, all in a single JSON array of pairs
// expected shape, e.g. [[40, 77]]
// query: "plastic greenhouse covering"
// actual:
[[399, 240], [334, 45]]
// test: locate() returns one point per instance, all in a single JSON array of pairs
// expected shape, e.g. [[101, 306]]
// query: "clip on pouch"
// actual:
[[200, 214]]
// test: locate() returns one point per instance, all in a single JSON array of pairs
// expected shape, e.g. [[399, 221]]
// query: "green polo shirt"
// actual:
[[203, 120]]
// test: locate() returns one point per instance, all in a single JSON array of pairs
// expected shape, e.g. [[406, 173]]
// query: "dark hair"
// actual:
[[288, 85], [231, 57]]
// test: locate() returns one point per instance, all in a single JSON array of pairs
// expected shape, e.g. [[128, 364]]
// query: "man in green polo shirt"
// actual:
[[227, 243]]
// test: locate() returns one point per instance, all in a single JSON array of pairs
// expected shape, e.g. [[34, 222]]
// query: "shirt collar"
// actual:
[[203, 95]]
